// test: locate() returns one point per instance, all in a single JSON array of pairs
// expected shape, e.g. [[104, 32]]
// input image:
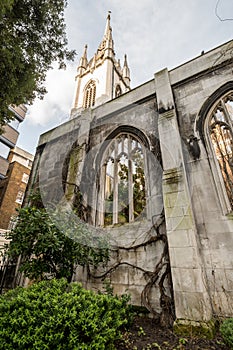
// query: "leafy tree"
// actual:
[[5, 5], [32, 36], [50, 245], [57, 315]]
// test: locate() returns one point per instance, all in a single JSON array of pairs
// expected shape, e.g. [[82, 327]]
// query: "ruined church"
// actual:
[[152, 169]]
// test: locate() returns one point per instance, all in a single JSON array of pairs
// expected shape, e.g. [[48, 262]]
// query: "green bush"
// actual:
[[58, 315], [53, 243], [226, 330]]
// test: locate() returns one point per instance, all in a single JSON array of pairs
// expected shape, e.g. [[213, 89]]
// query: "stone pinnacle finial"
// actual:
[[126, 71], [83, 60]]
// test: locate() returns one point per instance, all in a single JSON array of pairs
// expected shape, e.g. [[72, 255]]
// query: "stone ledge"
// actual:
[[202, 329]]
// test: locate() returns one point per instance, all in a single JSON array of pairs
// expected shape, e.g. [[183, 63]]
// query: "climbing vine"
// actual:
[[160, 277]]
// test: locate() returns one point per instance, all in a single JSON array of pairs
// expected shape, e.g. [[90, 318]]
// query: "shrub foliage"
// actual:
[[52, 248], [58, 315], [226, 330]]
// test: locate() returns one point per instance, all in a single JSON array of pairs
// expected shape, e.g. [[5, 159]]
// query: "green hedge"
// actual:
[[57, 315], [226, 330]]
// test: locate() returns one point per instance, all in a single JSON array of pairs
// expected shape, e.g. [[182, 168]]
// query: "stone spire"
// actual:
[[126, 71], [107, 43], [101, 78], [108, 28], [83, 61]]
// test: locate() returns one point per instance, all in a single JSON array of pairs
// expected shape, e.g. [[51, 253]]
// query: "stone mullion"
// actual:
[[222, 164], [226, 114], [130, 181], [229, 124], [147, 182], [115, 185], [101, 209]]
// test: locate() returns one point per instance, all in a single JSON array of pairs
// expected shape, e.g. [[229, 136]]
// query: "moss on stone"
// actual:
[[72, 172], [195, 328]]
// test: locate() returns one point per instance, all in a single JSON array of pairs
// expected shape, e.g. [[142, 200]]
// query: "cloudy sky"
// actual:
[[154, 33]]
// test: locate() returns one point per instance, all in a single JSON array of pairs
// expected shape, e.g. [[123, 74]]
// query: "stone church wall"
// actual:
[[214, 225], [137, 250], [182, 249]]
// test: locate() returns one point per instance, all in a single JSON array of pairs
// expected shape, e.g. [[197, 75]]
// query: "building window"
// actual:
[[19, 198], [25, 178], [118, 91], [122, 196], [89, 94], [29, 163], [14, 123], [221, 135], [4, 150]]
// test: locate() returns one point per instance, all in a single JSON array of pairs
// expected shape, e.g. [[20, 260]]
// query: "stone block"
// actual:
[[220, 241], [136, 277], [175, 212], [184, 257], [193, 306], [181, 238], [174, 199], [149, 257], [218, 280], [188, 280], [222, 303], [184, 222], [120, 275], [221, 258], [154, 297], [135, 292], [229, 279]]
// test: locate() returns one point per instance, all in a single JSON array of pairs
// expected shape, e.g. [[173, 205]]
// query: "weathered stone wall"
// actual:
[[187, 230], [190, 293], [214, 226], [139, 259], [67, 165]]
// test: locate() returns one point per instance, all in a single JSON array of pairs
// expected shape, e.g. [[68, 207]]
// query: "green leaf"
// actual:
[[32, 38]]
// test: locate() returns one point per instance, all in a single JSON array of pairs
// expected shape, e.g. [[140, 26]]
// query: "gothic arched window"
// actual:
[[220, 128], [89, 95], [122, 196], [118, 91]]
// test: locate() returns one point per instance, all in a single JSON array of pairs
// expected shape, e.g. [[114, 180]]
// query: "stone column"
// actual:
[[192, 302]]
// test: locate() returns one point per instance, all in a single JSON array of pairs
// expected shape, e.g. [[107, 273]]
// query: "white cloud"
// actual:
[[155, 34], [57, 102]]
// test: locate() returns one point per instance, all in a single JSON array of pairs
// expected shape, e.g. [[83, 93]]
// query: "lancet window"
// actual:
[[89, 94], [123, 187], [221, 134]]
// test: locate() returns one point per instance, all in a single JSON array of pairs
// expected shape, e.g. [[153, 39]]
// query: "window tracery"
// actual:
[[123, 192], [89, 95], [220, 126]]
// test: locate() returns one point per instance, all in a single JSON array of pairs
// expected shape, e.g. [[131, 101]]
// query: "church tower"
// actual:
[[101, 78]]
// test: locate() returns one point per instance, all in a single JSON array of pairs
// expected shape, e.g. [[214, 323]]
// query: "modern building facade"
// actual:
[[153, 168], [9, 137]]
